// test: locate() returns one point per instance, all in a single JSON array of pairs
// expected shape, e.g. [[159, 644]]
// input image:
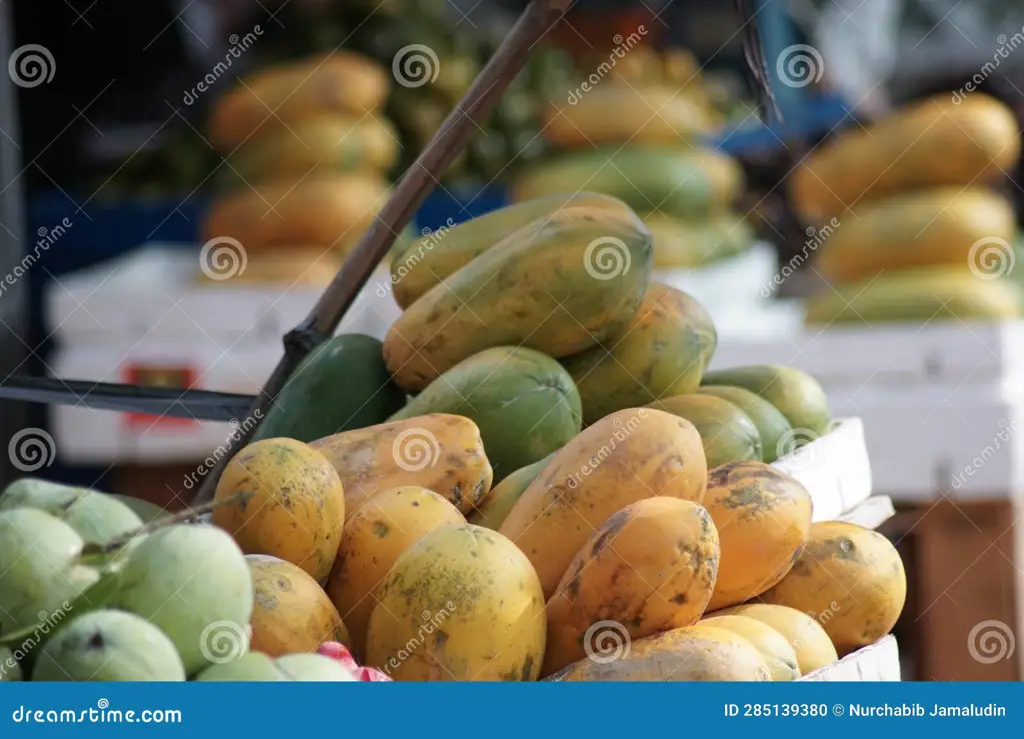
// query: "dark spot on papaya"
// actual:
[[800, 568], [415, 504], [440, 639], [380, 529], [611, 527], [679, 599], [636, 622], [750, 495], [284, 584], [96, 641], [839, 548], [527, 672]]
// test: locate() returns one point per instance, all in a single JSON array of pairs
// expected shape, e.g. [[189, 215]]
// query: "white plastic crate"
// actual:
[[879, 662]]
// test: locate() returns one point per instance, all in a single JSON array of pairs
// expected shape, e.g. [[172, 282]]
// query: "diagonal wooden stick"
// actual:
[[419, 180]]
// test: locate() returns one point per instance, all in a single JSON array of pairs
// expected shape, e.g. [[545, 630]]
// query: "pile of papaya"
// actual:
[[634, 126], [534, 476], [919, 229], [307, 150]]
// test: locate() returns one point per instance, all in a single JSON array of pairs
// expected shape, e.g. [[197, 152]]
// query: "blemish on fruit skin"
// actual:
[[96, 641], [380, 529]]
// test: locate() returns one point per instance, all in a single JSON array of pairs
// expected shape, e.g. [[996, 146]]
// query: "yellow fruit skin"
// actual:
[[293, 506], [439, 452], [627, 456], [291, 613], [341, 82], [811, 644], [559, 285], [763, 518], [464, 604], [778, 653], [931, 143], [374, 537], [851, 578], [917, 229], [428, 260], [662, 352], [649, 568], [690, 654]]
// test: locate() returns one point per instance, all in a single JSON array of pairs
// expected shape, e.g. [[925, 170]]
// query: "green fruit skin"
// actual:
[[796, 394], [313, 668], [109, 646], [427, 261], [342, 385], [38, 573], [524, 403], [771, 424], [10, 670], [97, 517], [191, 581], [727, 433], [662, 353], [493, 510], [250, 667], [42, 495]]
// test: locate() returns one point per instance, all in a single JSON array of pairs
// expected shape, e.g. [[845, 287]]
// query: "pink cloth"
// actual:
[[338, 652]]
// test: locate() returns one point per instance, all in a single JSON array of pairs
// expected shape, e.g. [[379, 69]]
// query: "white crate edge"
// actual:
[[834, 468], [879, 662], [871, 513]]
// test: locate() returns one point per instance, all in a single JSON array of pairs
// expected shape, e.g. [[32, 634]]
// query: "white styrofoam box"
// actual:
[[872, 513], [757, 322], [879, 662], [738, 280], [152, 295], [897, 354], [834, 468]]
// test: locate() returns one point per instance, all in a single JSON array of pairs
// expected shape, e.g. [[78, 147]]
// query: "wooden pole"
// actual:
[[419, 180]]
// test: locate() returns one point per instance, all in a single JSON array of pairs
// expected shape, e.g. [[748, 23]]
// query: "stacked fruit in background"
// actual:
[[306, 149], [916, 234], [632, 126]]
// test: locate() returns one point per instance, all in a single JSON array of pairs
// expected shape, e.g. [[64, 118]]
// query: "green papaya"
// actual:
[[661, 353], [426, 261], [772, 426], [559, 285], [491, 512], [680, 244], [685, 183], [796, 394], [727, 433], [341, 385], [524, 403]]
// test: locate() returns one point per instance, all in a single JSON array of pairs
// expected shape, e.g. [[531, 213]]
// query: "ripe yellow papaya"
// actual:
[[918, 295], [931, 143], [690, 654], [811, 644], [763, 517], [851, 579], [649, 568], [316, 212], [438, 452], [627, 456], [559, 285], [917, 229], [374, 537], [662, 352], [424, 262], [618, 112], [341, 82], [461, 604], [777, 651]]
